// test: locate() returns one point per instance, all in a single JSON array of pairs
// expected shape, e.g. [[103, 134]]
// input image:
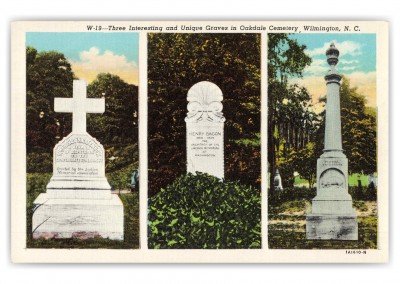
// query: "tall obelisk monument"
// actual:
[[332, 215]]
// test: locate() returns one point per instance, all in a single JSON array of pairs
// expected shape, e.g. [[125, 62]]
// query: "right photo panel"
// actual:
[[322, 141]]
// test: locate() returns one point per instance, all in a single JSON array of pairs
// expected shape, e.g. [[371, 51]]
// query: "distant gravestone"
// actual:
[[205, 130], [78, 202], [332, 216], [278, 181]]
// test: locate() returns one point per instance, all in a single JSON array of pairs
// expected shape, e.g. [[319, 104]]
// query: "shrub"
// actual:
[[201, 211], [37, 162]]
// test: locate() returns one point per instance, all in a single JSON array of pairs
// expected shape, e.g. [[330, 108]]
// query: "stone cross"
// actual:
[[79, 105], [78, 202]]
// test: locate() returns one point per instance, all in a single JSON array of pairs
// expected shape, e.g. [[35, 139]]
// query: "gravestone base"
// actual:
[[78, 218], [331, 227]]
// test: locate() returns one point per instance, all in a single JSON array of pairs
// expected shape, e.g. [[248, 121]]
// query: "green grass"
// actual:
[[298, 180], [36, 184], [353, 180]]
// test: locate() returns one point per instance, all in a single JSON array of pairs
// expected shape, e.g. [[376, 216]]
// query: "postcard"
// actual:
[[200, 142]]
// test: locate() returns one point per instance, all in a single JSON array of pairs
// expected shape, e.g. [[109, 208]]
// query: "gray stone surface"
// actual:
[[78, 201], [332, 215], [205, 130], [332, 227]]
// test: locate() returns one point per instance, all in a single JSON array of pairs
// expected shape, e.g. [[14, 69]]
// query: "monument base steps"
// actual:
[[331, 227], [78, 218]]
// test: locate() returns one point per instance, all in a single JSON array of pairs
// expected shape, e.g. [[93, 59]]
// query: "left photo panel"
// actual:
[[82, 156]]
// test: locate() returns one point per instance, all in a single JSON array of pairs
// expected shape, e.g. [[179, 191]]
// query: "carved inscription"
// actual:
[[205, 144], [79, 155]]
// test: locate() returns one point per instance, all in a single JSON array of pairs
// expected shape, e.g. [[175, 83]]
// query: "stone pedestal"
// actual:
[[78, 218], [332, 227], [332, 214]]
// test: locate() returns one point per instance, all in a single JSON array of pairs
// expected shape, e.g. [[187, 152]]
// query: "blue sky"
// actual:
[[91, 53], [357, 61]]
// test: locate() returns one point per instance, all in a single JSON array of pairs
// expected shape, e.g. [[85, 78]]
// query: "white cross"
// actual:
[[79, 105]]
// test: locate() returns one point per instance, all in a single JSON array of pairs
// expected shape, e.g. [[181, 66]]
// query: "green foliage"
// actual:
[[175, 63], [363, 192], [38, 162], [358, 130], [201, 211], [305, 161], [290, 121], [118, 124], [244, 161], [120, 179], [48, 75], [280, 197]]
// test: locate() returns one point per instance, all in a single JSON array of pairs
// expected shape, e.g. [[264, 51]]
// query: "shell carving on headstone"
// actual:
[[204, 103]]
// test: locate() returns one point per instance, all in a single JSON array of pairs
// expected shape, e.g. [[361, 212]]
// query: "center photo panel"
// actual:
[[204, 142]]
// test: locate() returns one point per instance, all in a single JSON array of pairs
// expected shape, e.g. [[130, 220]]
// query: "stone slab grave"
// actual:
[[205, 130], [332, 215], [78, 201]]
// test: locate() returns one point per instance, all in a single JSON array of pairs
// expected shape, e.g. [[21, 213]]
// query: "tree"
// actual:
[[119, 123], [358, 130], [305, 162], [48, 75], [175, 63], [286, 58]]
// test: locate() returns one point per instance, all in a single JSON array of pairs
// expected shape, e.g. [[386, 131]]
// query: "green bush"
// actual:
[[121, 179], [363, 193], [201, 211], [37, 162]]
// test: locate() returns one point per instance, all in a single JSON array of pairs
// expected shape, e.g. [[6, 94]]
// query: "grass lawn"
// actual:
[[287, 227]]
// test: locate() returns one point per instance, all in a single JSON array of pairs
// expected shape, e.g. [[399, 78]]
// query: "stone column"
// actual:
[[332, 215]]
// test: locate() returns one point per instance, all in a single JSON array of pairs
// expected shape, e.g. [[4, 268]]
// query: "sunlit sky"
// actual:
[[357, 61], [93, 53]]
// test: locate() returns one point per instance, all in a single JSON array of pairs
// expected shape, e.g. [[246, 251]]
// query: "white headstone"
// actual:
[[205, 130], [78, 201], [332, 215], [278, 181]]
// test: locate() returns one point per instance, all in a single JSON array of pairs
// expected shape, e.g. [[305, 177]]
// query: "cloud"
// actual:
[[365, 83], [319, 67], [346, 62], [92, 62], [346, 47]]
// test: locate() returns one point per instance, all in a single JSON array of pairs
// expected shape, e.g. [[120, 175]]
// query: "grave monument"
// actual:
[[78, 202], [278, 181], [332, 215], [205, 130]]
